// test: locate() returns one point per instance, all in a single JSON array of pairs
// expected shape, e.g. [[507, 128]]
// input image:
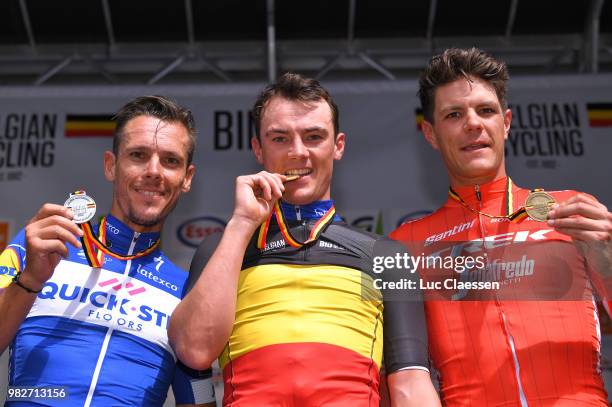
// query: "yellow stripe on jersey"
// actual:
[[281, 303], [9, 267]]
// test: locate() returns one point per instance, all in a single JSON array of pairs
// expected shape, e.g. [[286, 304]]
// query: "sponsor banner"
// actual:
[[559, 140], [192, 231], [183, 234]]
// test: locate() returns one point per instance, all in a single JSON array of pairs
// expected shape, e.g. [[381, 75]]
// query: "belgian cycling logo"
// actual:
[[542, 133], [118, 287], [27, 141]]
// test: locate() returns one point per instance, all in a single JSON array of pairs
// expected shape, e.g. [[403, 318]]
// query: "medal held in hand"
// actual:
[[94, 247], [83, 206], [538, 204]]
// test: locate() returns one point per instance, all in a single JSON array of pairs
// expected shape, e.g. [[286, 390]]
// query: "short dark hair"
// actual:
[[293, 86], [159, 107], [456, 63]]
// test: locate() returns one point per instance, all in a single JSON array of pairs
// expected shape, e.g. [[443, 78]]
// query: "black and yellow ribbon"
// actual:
[[514, 216], [277, 212], [94, 247]]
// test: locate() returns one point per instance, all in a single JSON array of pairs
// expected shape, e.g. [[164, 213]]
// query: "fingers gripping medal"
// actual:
[[538, 204], [84, 208], [82, 205]]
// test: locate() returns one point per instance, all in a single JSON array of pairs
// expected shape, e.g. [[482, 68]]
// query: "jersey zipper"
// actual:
[[303, 229], [480, 224], [298, 212], [504, 322], [109, 332]]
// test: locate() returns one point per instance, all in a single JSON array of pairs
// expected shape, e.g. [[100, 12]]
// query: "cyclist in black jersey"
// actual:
[[285, 297]]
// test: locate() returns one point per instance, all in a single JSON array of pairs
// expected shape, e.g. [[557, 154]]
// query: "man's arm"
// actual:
[[406, 355], [202, 323], [405, 336], [412, 387], [46, 236]]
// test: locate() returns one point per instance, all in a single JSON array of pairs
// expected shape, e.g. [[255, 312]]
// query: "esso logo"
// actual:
[[412, 216], [193, 231]]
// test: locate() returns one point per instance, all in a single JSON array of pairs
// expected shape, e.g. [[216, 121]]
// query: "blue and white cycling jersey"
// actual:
[[101, 333]]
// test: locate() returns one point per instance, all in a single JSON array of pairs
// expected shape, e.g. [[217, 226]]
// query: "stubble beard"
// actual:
[[153, 220]]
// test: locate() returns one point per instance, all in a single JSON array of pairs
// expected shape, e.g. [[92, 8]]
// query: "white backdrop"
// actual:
[[388, 172]]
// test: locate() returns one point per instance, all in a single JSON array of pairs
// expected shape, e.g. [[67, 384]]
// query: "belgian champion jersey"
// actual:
[[309, 327]]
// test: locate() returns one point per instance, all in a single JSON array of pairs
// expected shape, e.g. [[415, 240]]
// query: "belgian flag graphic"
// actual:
[[87, 125], [418, 115], [600, 114]]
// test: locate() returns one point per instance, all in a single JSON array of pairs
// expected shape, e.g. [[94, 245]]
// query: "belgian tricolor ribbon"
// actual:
[[514, 216], [277, 212], [95, 247]]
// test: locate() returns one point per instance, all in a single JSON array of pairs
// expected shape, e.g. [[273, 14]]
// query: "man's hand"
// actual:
[[47, 234], [256, 195], [589, 223], [583, 218], [202, 323]]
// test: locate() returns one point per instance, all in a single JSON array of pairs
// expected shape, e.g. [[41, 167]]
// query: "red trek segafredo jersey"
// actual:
[[519, 346]]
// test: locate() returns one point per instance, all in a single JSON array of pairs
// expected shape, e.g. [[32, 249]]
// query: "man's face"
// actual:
[[298, 138], [149, 172], [469, 130]]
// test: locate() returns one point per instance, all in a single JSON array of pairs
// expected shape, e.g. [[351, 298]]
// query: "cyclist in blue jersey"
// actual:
[[85, 309]]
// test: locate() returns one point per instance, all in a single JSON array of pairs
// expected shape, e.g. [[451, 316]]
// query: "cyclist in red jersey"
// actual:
[[502, 352]]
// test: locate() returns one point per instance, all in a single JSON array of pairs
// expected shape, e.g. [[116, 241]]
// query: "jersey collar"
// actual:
[[312, 211], [488, 192], [119, 237]]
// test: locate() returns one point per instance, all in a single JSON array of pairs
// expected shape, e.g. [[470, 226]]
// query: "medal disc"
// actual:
[[83, 206], [538, 204]]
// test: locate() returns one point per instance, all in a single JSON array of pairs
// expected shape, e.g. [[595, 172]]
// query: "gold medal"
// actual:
[[538, 204]]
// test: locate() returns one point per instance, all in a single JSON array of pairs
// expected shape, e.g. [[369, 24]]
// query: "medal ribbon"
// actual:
[[277, 212], [95, 248], [515, 216]]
